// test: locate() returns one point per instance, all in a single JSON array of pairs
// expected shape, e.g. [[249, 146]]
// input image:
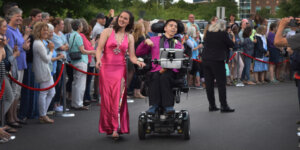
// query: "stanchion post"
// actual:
[[64, 113], [239, 82], [2, 112]]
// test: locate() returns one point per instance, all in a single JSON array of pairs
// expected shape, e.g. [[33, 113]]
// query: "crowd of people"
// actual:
[[33, 51]]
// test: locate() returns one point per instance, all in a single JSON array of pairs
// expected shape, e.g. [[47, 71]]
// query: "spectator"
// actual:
[[260, 51], [275, 55], [232, 22], [29, 99], [45, 17], [88, 45], [7, 61], [194, 74], [248, 48], [244, 24], [67, 32], [191, 22], [76, 45], [238, 64], [35, 16], [139, 35], [17, 42], [99, 27], [41, 60], [60, 47], [216, 45], [293, 43]]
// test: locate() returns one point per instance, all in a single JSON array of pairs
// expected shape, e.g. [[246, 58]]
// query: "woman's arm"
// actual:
[[131, 50]]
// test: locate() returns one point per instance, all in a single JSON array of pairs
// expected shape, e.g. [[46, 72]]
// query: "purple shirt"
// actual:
[[270, 40], [15, 37], [144, 49]]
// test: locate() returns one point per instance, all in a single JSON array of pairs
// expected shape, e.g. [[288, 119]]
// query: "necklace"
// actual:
[[117, 49]]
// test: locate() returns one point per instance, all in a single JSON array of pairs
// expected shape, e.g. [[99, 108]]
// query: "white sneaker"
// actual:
[[59, 109]]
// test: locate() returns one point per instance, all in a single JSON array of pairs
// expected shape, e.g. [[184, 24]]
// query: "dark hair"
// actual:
[[34, 12], [76, 24], [180, 26], [247, 32], [129, 27], [55, 21], [273, 26]]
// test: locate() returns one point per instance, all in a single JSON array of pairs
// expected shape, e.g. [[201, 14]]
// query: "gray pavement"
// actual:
[[265, 119]]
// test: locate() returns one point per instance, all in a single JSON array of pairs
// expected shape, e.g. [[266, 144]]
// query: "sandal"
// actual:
[[81, 108], [10, 129], [115, 135], [14, 124]]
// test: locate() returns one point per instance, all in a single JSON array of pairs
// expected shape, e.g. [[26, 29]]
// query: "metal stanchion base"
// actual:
[[65, 114], [130, 101], [240, 84]]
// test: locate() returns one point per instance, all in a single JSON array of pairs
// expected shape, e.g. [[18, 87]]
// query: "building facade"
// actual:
[[248, 7], [272, 5], [244, 8]]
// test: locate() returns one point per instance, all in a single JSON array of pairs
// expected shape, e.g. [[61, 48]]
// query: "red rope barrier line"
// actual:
[[89, 73], [37, 89], [2, 89], [262, 60]]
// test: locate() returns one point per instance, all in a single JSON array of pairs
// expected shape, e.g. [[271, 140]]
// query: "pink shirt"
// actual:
[[87, 45], [144, 49]]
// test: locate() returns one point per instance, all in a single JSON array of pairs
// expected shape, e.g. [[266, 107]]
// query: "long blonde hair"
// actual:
[[138, 31]]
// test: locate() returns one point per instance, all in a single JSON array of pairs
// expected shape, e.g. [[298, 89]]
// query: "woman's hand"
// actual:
[[98, 64], [26, 45], [60, 56], [149, 42], [51, 46], [140, 64], [16, 52]]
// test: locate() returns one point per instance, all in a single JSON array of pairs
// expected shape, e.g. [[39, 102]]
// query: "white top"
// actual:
[[98, 28]]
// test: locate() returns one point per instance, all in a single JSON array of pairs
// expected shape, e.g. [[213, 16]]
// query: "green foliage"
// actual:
[[264, 12], [289, 8], [149, 10]]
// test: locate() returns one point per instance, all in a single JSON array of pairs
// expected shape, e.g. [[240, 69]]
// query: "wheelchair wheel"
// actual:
[[141, 130], [186, 128]]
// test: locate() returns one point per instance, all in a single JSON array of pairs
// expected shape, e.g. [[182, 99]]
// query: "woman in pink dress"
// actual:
[[112, 47]]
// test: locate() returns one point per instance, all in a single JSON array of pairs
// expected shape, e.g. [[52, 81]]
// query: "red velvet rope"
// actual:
[[262, 60], [89, 73], [2, 89], [230, 59], [37, 89]]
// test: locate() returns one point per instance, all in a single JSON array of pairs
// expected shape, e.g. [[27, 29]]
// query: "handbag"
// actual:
[[74, 55]]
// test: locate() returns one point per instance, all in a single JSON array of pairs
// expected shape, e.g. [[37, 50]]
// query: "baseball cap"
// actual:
[[100, 16]]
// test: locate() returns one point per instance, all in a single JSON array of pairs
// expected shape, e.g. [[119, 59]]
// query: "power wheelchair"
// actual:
[[169, 123]]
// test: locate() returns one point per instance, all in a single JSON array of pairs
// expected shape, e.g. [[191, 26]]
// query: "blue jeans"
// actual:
[[59, 84], [246, 70], [87, 92], [58, 87], [29, 99]]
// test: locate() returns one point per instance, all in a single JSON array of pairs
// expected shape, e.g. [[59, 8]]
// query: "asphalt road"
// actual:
[[265, 119]]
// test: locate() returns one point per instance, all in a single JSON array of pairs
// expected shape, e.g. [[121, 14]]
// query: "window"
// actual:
[[258, 8]]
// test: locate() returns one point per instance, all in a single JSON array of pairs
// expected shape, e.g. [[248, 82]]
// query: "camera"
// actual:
[[294, 23]]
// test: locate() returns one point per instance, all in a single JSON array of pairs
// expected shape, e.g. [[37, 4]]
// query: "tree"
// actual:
[[289, 8]]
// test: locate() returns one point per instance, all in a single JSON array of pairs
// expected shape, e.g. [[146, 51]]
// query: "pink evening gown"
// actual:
[[113, 109]]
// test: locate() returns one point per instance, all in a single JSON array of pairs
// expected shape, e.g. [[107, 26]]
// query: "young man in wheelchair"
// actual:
[[162, 80]]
